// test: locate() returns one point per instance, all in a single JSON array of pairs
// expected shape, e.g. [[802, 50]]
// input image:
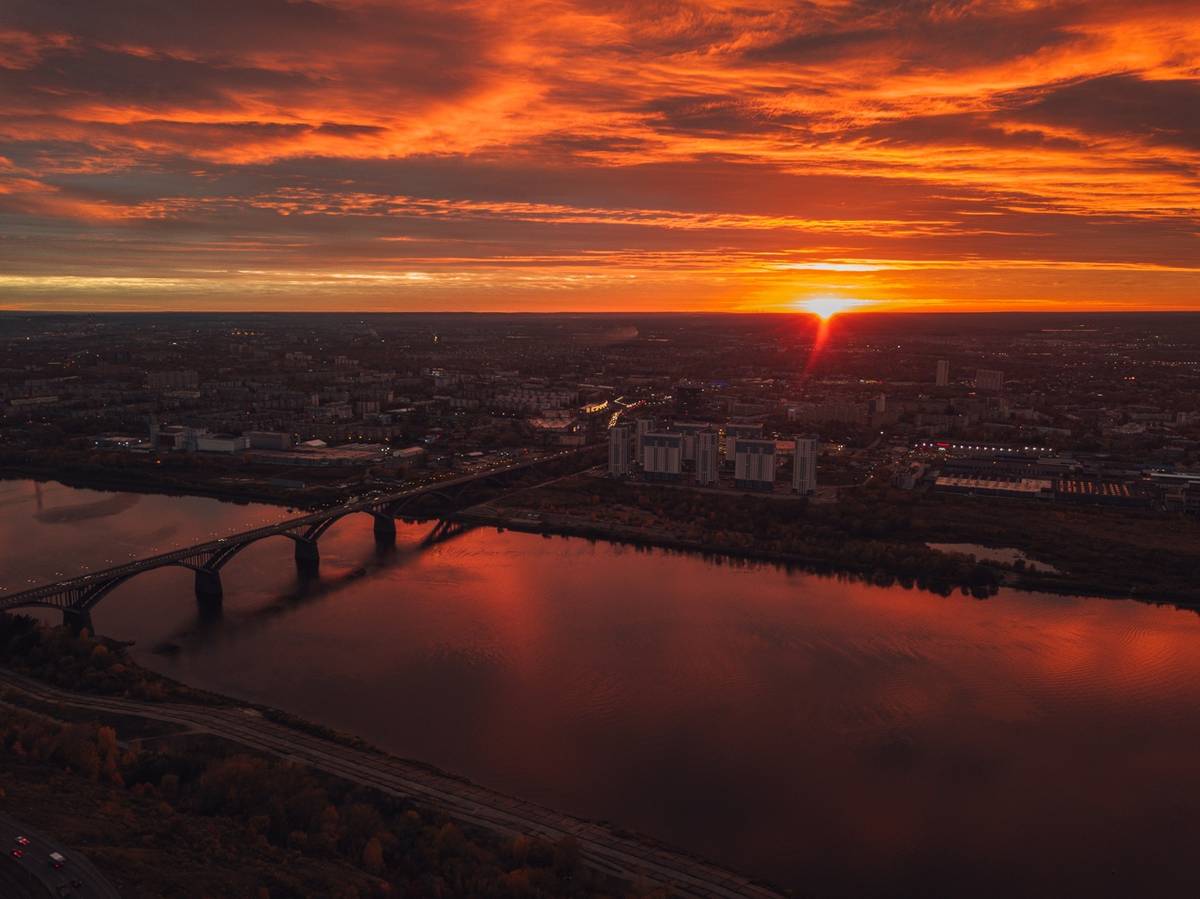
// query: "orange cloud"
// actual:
[[724, 154]]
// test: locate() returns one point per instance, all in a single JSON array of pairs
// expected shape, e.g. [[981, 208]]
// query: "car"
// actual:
[[17, 853], [22, 841], [57, 860]]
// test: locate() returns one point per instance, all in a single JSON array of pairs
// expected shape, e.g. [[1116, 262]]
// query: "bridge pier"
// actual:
[[209, 592], [78, 620], [76, 595], [385, 529], [308, 557], [443, 530]]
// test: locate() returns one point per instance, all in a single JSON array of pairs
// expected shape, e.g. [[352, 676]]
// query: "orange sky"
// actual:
[[599, 154]]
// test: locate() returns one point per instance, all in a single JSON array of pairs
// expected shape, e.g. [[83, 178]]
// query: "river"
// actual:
[[837, 738]]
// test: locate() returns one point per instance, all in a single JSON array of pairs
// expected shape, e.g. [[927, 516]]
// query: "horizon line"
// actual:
[[610, 312]]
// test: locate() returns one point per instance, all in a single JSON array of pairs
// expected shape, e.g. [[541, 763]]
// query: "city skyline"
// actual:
[[583, 155]]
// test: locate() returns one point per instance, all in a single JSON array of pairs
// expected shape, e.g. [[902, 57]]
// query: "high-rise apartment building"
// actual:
[[804, 465], [620, 451], [734, 430], [708, 457], [943, 372], [644, 426], [754, 463], [662, 456]]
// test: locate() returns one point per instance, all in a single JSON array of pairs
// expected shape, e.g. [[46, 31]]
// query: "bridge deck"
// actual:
[[63, 594]]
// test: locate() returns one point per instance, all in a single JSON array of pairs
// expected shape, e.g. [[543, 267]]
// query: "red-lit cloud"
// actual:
[[599, 154]]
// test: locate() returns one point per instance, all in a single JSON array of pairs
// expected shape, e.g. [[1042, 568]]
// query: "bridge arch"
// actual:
[[77, 595], [223, 556], [385, 513], [46, 603], [317, 530], [91, 596]]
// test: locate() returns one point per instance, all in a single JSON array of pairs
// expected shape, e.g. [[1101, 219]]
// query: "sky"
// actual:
[[543, 155]]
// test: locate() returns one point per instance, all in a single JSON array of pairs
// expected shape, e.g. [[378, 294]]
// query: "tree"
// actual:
[[372, 855]]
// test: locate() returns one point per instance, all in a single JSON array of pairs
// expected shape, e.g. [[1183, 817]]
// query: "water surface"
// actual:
[[839, 738]]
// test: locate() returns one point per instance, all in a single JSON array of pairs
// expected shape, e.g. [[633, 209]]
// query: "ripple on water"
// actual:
[[1088, 672], [596, 696]]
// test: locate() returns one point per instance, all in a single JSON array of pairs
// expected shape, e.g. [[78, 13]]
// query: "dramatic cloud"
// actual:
[[599, 153]]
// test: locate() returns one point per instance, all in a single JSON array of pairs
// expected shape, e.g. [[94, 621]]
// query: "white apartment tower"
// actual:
[[620, 451], [662, 456], [708, 457], [943, 372], [804, 465], [644, 426], [754, 463]]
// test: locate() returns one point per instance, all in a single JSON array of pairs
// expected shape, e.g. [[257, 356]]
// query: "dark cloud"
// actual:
[[566, 148], [1152, 111], [224, 27], [959, 130], [206, 51], [717, 115], [348, 129], [675, 26], [220, 135], [73, 75], [928, 35]]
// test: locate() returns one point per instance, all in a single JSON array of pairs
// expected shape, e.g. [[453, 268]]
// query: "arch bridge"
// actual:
[[76, 597]]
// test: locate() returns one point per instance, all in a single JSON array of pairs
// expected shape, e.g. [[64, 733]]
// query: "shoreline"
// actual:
[[565, 524], [122, 483], [486, 514], [560, 524], [607, 848]]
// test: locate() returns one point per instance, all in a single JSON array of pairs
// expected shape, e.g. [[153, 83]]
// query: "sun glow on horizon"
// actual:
[[826, 308], [753, 156]]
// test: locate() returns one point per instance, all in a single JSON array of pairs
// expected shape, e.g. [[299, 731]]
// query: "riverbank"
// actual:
[[384, 817], [231, 481], [880, 535], [713, 704], [117, 480], [570, 526]]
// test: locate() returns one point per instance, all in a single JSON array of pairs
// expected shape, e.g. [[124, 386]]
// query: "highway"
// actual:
[[16, 874], [600, 847]]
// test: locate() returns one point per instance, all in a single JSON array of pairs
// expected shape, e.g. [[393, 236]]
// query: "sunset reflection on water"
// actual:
[[834, 736]]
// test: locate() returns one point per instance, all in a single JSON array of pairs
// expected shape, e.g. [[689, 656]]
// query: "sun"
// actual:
[[826, 308]]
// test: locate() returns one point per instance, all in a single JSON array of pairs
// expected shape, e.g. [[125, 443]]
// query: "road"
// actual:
[[600, 848], [35, 864]]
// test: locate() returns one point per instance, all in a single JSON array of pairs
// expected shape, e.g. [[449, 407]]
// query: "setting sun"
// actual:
[[827, 307]]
